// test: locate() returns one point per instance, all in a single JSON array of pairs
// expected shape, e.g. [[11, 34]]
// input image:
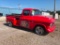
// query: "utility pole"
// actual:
[[54, 8], [19, 6]]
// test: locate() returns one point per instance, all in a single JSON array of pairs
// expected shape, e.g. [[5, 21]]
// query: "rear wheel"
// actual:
[[40, 30], [10, 24]]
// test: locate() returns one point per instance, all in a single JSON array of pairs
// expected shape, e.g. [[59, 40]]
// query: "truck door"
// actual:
[[25, 19]]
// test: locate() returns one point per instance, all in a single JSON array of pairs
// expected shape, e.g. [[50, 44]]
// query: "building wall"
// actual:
[[6, 10]]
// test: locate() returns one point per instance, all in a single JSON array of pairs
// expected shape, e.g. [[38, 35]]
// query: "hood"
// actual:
[[47, 19]]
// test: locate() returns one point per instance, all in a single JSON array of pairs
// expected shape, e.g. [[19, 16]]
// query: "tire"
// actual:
[[40, 30], [10, 24]]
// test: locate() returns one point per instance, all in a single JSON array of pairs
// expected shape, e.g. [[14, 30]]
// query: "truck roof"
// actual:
[[29, 9]]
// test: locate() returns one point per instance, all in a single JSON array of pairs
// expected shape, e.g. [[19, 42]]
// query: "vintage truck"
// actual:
[[32, 19]]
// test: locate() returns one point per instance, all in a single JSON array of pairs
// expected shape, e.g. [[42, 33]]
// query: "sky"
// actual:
[[39, 4]]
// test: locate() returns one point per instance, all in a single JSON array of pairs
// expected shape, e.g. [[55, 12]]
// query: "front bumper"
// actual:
[[51, 29]]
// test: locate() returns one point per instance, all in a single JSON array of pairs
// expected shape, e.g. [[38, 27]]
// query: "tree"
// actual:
[[58, 12]]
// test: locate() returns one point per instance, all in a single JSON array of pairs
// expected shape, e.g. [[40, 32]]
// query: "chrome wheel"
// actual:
[[39, 30]]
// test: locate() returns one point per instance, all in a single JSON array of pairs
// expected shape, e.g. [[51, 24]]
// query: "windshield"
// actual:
[[36, 12]]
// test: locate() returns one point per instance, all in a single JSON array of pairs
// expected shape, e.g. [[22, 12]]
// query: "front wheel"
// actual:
[[40, 30]]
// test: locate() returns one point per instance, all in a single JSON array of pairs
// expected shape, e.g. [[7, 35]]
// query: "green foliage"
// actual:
[[58, 12], [52, 12]]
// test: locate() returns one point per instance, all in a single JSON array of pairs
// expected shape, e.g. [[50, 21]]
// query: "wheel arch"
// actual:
[[44, 27]]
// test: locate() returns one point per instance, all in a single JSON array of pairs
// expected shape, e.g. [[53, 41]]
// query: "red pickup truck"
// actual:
[[32, 19]]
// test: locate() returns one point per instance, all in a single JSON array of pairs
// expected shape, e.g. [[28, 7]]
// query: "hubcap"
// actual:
[[39, 30]]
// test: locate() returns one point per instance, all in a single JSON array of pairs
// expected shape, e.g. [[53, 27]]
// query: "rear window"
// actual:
[[26, 12]]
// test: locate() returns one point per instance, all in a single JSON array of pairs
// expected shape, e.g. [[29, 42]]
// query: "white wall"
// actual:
[[45, 13], [3, 18], [56, 16]]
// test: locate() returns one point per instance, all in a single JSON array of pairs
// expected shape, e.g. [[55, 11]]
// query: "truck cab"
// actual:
[[32, 19]]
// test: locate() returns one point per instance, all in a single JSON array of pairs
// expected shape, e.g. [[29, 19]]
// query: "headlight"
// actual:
[[51, 24]]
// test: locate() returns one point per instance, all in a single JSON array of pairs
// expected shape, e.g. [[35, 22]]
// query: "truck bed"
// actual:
[[13, 15]]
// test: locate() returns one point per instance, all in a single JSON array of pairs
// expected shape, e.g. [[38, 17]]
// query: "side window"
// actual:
[[26, 12]]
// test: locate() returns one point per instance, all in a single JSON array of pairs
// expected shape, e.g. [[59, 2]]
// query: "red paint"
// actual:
[[32, 21]]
